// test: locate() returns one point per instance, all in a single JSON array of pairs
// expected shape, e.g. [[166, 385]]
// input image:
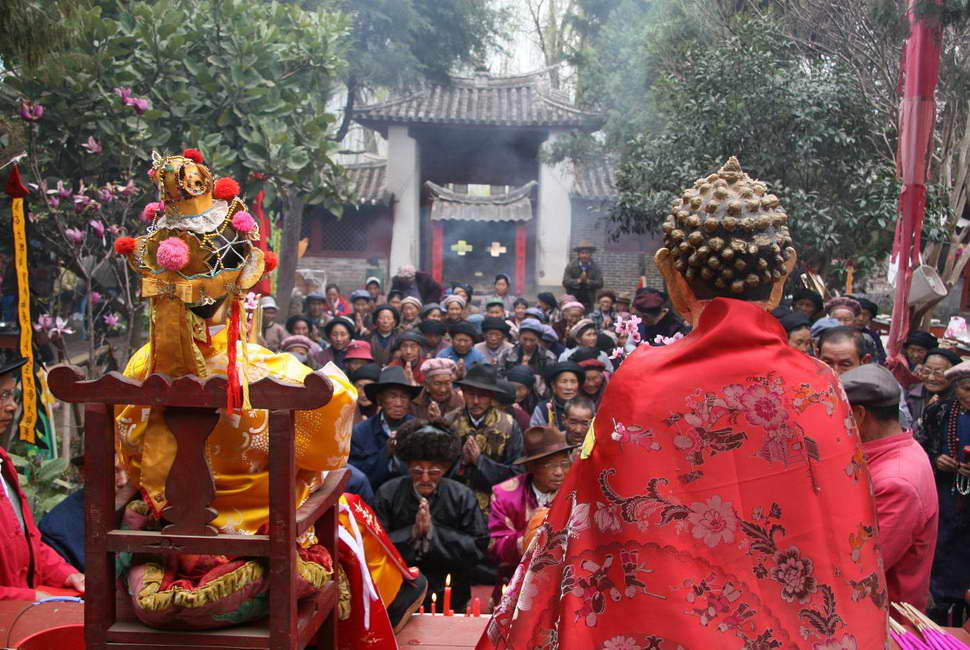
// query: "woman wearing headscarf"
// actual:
[[572, 312], [454, 308], [933, 387], [530, 352], [565, 380], [409, 352], [339, 332], [946, 428], [583, 334], [440, 395], [524, 381], [410, 311]]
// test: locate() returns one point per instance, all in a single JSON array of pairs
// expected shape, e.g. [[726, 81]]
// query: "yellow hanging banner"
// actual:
[[28, 421]]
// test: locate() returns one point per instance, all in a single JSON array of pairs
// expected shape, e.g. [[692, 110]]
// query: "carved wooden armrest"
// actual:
[[320, 501]]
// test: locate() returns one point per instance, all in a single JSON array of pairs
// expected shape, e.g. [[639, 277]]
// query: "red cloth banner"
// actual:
[[437, 251], [919, 73], [520, 256]]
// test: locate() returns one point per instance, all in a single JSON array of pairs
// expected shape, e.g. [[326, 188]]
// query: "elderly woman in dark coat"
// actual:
[[434, 521], [946, 440]]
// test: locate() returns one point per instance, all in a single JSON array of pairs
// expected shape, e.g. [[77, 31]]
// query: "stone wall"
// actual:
[[623, 260], [348, 273]]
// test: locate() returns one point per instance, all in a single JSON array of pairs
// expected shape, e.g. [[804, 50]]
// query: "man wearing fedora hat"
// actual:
[[491, 440], [515, 501], [273, 333], [368, 445], [583, 277]]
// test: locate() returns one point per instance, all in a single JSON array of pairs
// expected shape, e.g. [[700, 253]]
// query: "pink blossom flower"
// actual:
[[97, 227], [140, 105], [106, 194], [44, 323], [95, 298], [127, 190], [114, 229], [660, 339], [124, 93], [60, 327], [112, 320], [53, 202], [92, 145], [714, 521], [64, 191], [75, 236], [31, 112]]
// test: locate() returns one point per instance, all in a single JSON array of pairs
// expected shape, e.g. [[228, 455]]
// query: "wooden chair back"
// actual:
[[191, 413]]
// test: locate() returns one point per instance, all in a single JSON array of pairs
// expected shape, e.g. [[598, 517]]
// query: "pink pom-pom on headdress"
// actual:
[[150, 211], [172, 254], [243, 222]]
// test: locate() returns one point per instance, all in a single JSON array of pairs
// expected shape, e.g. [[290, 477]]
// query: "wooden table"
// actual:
[[442, 632], [453, 632], [33, 619]]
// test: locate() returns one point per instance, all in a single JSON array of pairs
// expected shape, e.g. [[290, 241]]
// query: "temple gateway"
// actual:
[[465, 193]]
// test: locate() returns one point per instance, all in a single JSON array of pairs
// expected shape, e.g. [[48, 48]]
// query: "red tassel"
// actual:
[[233, 388]]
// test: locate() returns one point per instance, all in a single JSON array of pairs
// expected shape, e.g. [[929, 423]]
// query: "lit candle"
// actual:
[[446, 608], [477, 607], [421, 611], [434, 603]]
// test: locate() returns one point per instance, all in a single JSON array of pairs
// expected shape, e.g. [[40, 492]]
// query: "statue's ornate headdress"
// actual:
[[728, 234], [199, 253]]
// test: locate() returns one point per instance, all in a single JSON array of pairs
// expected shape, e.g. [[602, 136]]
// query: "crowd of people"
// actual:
[[472, 408]]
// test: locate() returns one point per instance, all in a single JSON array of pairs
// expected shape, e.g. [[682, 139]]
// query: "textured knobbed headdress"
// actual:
[[728, 234], [198, 253]]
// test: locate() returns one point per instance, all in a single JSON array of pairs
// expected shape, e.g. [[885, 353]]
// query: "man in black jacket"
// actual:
[[583, 277], [434, 522]]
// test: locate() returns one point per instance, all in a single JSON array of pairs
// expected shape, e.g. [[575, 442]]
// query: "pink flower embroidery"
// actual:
[[607, 518], [621, 643], [763, 407], [794, 572], [714, 521], [578, 518], [847, 642]]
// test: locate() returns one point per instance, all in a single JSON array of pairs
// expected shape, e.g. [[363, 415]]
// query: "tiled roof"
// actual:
[[481, 100], [595, 181], [368, 181], [515, 205]]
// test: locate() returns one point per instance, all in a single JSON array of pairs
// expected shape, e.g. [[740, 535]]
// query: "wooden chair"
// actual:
[[191, 414]]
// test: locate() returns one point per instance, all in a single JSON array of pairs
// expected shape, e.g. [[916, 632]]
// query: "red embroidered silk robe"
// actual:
[[722, 503]]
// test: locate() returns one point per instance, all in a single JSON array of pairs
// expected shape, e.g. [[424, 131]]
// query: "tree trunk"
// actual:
[[293, 203]]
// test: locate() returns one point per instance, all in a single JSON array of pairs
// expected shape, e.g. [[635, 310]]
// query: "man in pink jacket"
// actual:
[[902, 479], [516, 500]]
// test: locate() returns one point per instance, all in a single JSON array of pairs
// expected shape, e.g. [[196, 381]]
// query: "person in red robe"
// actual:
[[716, 502]]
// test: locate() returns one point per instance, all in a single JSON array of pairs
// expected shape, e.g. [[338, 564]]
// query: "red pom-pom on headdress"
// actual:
[[194, 155], [269, 261], [225, 189], [125, 245]]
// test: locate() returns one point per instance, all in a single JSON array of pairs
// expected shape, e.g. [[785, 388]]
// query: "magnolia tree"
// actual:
[[246, 83]]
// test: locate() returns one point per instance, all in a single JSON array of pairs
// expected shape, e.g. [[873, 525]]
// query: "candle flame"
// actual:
[[434, 597], [448, 580]]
